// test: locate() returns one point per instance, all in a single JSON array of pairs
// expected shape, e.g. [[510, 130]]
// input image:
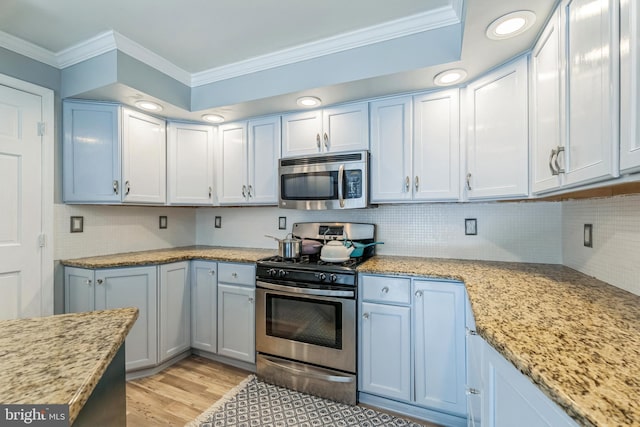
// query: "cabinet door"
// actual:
[[204, 305], [78, 290], [345, 128], [511, 399], [263, 155], [231, 170], [497, 150], [301, 133], [190, 164], [91, 152], [474, 369], [133, 287], [236, 322], [391, 141], [546, 108], [440, 345], [436, 146], [144, 158], [175, 310], [629, 86], [385, 350], [592, 90]]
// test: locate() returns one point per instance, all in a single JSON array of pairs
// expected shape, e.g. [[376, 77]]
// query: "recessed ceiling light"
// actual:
[[149, 106], [450, 77], [511, 25], [213, 118], [308, 101]]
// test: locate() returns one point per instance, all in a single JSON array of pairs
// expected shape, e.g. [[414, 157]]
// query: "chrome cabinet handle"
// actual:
[[365, 316], [212, 272], [87, 282], [250, 190], [99, 281], [244, 191], [469, 181], [470, 332], [210, 191], [326, 141], [385, 290], [234, 275], [318, 140], [407, 184], [418, 294], [416, 183], [250, 300], [116, 186], [127, 188], [341, 185], [559, 150], [553, 153]]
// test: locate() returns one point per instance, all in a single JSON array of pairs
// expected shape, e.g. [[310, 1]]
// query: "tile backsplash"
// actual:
[[616, 239], [527, 232]]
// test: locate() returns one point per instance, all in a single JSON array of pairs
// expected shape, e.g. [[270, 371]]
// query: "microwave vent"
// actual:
[[335, 158]]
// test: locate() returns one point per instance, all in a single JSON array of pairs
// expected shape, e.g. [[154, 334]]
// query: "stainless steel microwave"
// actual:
[[326, 181]]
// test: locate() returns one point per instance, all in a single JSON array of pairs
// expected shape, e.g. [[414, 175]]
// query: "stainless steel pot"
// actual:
[[289, 247]]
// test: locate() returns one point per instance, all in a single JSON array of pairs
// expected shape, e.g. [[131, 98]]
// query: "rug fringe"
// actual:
[[224, 399]]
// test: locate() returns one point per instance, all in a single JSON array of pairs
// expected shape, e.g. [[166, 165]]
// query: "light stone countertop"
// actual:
[[164, 256], [59, 359], [574, 336]]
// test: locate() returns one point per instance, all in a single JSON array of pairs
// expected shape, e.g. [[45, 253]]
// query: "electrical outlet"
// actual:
[[470, 226], [162, 222], [282, 223], [218, 222], [588, 235]]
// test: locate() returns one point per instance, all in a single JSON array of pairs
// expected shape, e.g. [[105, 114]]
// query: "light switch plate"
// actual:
[[470, 226], [162, 222], [218, 222], [76, 224], [588, 235], [282, 223]]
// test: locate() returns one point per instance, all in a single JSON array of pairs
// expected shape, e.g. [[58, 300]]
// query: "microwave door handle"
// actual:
[[341, 185]]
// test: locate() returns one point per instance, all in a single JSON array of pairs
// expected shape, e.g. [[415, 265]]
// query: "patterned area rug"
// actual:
[[254, 403]]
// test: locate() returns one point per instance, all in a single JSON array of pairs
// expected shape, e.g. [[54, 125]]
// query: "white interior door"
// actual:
[[20, 204]]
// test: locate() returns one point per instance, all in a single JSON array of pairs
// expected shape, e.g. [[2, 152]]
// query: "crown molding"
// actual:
[[437, 18], [90, 48], [27, 49]]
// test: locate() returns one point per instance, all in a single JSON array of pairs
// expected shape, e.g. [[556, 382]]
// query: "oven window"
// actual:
[[309, 186], [305, 320]]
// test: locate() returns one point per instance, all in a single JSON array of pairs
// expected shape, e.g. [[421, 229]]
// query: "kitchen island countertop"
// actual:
[[576, 337], [59, 359], [164, 256]]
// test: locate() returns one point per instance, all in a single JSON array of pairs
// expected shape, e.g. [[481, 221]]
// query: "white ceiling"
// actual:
[[200, 35]]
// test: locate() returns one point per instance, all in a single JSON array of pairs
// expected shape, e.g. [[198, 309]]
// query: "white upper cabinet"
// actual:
[[335, 129], [629, 86], [592, 88], [546, 138], [391, 149], [247, 166], [436, 142], [190, 164], [415, 148], [91, 152], [497, 134], [144, 156]]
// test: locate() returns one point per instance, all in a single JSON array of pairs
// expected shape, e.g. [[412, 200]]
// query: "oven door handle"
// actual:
[[306, 291], [309, 374]]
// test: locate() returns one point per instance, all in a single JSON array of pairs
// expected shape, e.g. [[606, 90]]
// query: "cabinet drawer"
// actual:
[[238, 274], [386, 289]]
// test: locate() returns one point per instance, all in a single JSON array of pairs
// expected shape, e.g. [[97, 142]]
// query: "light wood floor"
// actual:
[[183, 391]]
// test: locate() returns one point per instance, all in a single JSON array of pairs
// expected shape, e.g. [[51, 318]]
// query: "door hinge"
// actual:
[[42, 240], [41, 128]]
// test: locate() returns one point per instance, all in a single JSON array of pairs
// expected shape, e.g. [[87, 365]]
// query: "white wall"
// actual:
[[114, 229], [615, 255], [528, 232]]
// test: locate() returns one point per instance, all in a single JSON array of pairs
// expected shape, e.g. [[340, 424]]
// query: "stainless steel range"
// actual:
[[306, 315]]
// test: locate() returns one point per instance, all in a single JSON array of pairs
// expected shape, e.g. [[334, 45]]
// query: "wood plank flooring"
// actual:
[[183, 391]]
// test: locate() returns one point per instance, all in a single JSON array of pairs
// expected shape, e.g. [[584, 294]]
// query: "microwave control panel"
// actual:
[[353, 184]]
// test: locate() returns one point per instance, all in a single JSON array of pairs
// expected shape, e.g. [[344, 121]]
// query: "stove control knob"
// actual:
[[281, 273], [322, 277], [272, 272], [333, 278]]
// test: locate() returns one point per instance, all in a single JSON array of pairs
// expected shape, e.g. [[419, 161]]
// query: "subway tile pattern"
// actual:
[[616, 239]]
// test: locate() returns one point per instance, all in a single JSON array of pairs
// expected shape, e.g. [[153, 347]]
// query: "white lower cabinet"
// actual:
[[236, 311], [412, 344], [103, 289], [204, 305], [175, 310]]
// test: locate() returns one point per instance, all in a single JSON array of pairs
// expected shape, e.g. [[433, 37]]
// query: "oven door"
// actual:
[[314, 329]]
